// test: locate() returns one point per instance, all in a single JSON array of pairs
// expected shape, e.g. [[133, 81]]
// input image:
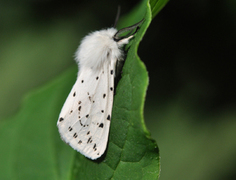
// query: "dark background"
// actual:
[[189, 52]]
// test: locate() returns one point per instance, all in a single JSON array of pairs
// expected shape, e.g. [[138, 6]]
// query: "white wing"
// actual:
[[84, 120]]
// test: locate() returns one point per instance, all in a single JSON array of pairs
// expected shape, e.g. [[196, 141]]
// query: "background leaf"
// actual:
[[35, 150], [156, 6]]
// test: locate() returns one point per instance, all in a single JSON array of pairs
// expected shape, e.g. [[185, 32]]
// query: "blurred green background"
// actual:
[[189, 51]]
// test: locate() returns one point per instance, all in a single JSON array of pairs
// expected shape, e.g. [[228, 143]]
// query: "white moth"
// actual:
[[84, 120]]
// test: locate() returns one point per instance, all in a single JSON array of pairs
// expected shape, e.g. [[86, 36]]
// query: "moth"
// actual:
[[85, 117]]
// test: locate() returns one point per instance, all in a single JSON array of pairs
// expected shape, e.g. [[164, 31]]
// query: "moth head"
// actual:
[[131, 29]]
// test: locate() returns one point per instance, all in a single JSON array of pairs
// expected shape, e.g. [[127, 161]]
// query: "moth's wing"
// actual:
[[84, 120]]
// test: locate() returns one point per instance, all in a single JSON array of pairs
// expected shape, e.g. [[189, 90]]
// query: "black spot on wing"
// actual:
[[111, 88], [80, 142], [75, 135], [101, 125], [102, 111], [88, 132], [70, 128], [61, 119], [97, 78], [74, 94], [87, 115], [82, 81], [79, 102], [104, 95], [90, 140], [111, 72], [109, 117], [94, 147], [79, 108]]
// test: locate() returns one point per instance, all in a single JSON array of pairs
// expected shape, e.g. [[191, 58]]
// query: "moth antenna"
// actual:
[[130, 28], [117, 16]]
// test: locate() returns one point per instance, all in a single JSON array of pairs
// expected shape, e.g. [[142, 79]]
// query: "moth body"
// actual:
[[85, 117]]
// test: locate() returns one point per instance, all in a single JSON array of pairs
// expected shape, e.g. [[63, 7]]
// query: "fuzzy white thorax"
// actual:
[[97, 47]]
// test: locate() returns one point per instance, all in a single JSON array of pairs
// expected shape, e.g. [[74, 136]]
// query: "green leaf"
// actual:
[[32, 149], [156, 6]]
